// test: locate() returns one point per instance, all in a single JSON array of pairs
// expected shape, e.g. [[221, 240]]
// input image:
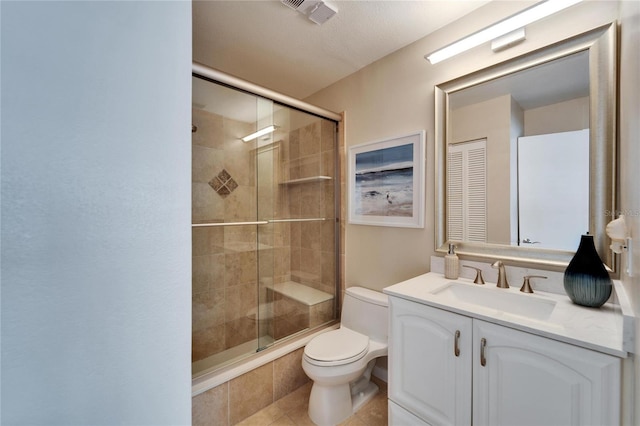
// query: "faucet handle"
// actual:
[[478, 279], [526, 286]]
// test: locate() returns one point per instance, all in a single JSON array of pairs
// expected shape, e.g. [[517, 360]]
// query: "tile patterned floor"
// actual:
[[291, 410]]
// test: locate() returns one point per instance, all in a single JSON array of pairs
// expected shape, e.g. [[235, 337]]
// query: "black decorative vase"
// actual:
[[586, 280]]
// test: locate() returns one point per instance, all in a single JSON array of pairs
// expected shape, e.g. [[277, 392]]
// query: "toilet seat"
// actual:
[[336, 347]]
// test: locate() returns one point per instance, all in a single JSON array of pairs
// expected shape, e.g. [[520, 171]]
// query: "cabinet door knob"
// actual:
[[483, 359], [456, 348]]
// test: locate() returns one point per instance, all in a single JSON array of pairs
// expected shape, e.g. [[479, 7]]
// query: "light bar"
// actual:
[[519, 20], [259, 133]]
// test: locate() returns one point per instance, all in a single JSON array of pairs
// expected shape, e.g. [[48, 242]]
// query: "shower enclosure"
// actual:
[[264, 236]]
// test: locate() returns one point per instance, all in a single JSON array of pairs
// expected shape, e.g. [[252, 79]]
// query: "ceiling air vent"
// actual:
[[301, 6], [316, 10]]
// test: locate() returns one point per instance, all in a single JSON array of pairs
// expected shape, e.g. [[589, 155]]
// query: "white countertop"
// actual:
[[608, 329]]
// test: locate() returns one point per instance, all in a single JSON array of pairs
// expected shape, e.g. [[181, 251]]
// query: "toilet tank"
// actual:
[[366, 311]]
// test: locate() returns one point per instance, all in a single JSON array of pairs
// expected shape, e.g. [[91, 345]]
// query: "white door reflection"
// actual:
[[553, 189]]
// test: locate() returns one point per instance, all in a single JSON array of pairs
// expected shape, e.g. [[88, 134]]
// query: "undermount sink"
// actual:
[[504, 300]]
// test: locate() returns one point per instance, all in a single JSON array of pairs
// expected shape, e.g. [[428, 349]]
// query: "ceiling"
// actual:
[[269, 44]]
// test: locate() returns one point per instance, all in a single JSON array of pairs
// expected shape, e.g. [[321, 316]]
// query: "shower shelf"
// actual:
[[306, 180]]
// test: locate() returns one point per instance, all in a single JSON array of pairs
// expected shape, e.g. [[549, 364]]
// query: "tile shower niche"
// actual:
[[264, 224]]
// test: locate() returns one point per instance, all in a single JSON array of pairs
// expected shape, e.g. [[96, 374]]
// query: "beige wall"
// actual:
[[556, 118], [395, 96]]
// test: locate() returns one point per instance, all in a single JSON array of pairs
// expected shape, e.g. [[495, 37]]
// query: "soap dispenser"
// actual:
[[451, 264]]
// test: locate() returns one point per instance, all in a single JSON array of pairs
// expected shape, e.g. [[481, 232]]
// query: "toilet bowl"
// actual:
[[340, 362]]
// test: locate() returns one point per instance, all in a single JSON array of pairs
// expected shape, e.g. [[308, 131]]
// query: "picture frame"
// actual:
[[387, 182]]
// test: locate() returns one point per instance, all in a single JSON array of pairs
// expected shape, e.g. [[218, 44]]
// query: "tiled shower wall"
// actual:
[[312, 153], [225, 262], [308, 173]]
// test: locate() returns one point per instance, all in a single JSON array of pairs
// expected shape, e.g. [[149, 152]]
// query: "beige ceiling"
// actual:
[[267, 43]]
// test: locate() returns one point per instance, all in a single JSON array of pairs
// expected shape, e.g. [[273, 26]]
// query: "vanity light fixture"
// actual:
[[261, 132], [506, 26]]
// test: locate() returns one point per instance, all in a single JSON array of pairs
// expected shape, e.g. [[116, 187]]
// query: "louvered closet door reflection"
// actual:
[[467, 191], [455, 195]]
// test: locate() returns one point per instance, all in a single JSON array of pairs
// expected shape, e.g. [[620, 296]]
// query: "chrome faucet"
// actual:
[[502, 274]]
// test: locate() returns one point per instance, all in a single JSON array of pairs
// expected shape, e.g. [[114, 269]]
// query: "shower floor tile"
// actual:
[[291, 410]]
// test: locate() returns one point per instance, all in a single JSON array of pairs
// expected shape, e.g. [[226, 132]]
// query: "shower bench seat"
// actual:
[[297, 307]]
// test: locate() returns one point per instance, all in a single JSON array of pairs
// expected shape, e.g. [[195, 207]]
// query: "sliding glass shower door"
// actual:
[[264, 223]]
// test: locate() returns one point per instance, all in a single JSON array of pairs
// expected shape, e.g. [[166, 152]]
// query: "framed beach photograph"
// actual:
[[386, 182]]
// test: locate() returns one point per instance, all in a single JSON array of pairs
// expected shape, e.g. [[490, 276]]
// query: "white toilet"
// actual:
[[340, 361]]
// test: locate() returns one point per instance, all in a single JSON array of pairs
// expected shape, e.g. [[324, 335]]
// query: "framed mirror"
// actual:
[[525, 154]]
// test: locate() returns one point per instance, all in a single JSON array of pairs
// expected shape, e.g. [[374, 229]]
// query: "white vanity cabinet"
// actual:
[[446, 368]]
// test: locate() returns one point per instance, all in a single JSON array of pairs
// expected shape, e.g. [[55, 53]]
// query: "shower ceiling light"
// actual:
[[519, 20], [261, 132]]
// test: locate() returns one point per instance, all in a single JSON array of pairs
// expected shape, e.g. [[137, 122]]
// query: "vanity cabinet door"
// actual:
[[398, 416], [530, 380], [430, 358]]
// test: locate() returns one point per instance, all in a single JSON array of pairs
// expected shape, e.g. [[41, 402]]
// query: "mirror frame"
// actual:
[[601, 45]]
